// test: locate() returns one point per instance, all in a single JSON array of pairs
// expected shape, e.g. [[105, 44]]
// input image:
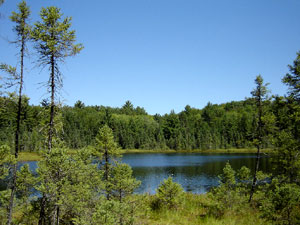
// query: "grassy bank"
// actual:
[[29, 156], [195, 209], [231, 150], [33, 156]]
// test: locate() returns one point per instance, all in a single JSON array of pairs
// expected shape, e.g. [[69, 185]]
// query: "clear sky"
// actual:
[[166, 54]]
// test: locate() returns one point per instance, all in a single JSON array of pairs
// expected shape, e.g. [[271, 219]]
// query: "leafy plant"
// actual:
[[168, 195]]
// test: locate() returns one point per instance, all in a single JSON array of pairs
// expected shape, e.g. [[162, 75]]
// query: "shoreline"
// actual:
[[231, 150], [34, 156]]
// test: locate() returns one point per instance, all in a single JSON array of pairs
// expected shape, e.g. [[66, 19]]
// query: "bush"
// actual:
[[168, 194], [282, 204]]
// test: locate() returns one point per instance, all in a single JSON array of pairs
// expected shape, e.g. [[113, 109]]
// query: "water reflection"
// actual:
[[196, 172]]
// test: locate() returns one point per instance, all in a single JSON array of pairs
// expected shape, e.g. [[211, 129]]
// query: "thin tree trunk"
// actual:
[[17, 134], [42, 219], [51, 122], [57, 215], [255, 172], [106, 171], [12, 194], [259, 137]]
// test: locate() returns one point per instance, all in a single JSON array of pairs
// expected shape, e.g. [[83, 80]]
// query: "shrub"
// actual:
[[168, 194]]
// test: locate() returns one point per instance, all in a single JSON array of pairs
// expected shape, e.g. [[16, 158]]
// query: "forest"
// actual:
[[229, 125], [79, 179]]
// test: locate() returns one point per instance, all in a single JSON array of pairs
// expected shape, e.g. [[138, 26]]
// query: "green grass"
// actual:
[[33, 156], [193, 211], [230, 150], [29, 156]]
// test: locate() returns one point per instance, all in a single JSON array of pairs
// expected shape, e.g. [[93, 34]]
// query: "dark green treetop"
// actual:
[[292, 79]]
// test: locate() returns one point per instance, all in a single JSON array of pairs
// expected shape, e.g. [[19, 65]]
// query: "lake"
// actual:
[[196, 172]]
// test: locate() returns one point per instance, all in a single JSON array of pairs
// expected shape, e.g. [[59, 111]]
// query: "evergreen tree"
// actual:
[[121, 185], [7, 162], [54, 41], [121, 181], [106, 148], [287, 158], [22, 30], [292, 79], [260, 95], [168, 194]]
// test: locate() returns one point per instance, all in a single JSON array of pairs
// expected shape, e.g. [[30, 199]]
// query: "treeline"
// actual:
[[229, 125]]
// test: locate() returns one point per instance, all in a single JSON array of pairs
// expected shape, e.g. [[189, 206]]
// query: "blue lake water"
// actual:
[[196, 172]]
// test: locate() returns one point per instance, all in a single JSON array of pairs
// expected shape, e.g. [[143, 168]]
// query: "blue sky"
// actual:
[[166, 54]]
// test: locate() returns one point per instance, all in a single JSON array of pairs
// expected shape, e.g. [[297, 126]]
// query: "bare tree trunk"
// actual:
[[42, 219], [57, 215], [51, 122]]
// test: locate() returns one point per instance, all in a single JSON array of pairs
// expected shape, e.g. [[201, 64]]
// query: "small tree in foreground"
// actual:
[[121, 185], [121, 181], [107, 149], [168, 194], [260, 95]]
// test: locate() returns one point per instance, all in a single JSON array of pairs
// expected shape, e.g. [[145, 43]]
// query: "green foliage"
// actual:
[[7, 160], [225, 126], [225, 195], [292, 79], [105, 143], [244, 174], [233, 191], [106, 148], [228, 177], [52, 36], [287, 158], [71, 183], [282, 203], [105, 213], [4, 202], [168, 195], [22, 28], [121, 182], [25, 182]]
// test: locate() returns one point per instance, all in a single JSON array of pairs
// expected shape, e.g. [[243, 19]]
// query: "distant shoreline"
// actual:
[[231, 150], [34, 156]]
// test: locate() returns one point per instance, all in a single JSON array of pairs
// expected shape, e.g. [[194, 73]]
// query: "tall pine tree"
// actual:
[[54, 42]]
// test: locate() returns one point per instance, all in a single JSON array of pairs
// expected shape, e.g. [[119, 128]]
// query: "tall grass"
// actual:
[[193, 210]]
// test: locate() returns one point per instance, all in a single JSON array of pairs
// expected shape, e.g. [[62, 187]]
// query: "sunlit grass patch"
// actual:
[[29, 156]]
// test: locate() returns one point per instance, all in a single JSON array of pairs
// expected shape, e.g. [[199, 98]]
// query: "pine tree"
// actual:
[[22, 30], [121, 181], [54, 42], [169, 193], [260, 95], [287, 142], [106, 148], [292, 79]]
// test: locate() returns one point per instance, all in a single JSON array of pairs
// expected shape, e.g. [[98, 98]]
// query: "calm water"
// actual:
[[196, 172]]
